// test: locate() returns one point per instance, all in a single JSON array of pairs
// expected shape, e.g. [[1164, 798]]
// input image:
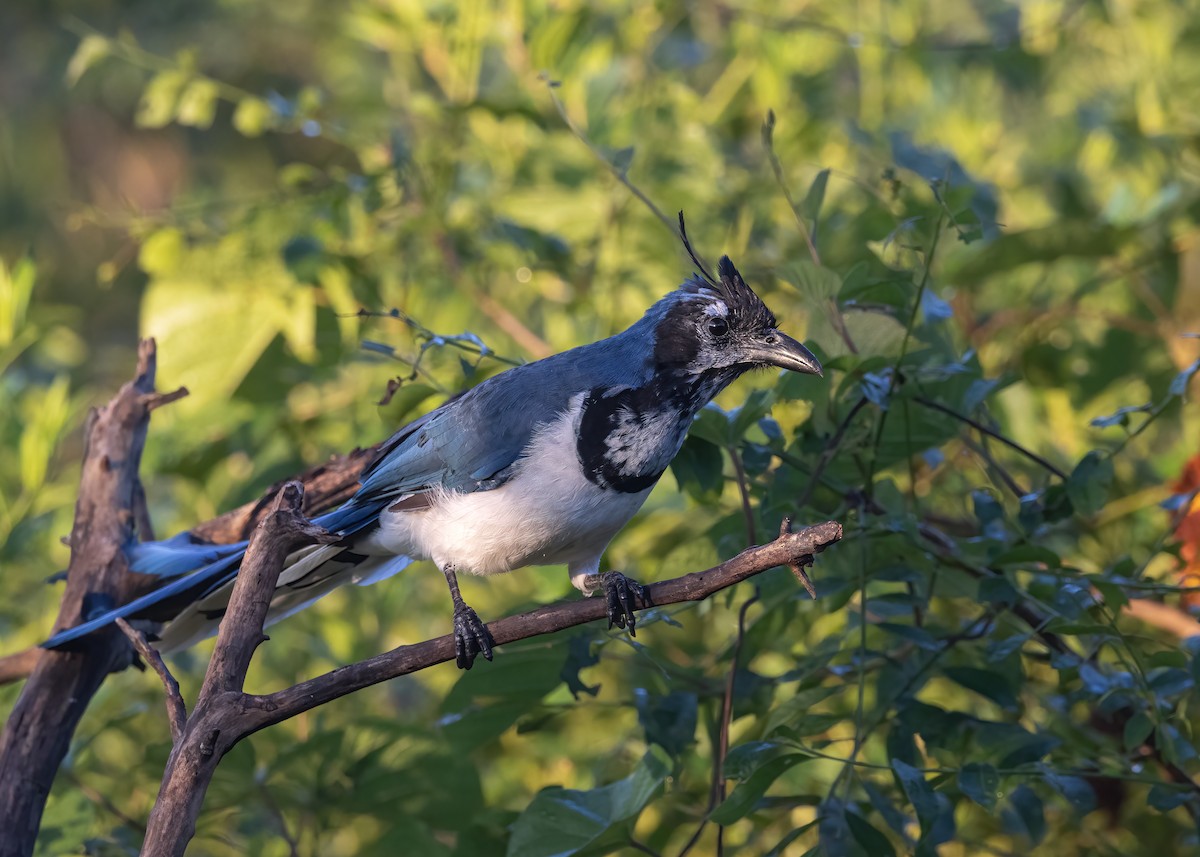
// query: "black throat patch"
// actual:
[[627, 437]]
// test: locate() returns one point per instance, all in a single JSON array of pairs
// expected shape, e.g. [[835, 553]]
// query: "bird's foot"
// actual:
[[623, 594], [471, 637]]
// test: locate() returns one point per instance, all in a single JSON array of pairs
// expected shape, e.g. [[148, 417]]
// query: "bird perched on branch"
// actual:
[[539, 465]]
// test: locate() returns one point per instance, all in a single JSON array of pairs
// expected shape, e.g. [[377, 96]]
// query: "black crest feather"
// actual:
[[687, 245], [746, 309]]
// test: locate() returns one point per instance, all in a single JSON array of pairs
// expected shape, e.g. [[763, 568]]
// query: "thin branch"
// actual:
[[104, 802], [743, 485], [640, 846], [985, 455], [768, 138], [277, 813], [828, 452], [788, 549], [176, 709], [153, 401], [19, 665], [894, 376], [619, 175], [982, 429], [718, 792], [835, 311]]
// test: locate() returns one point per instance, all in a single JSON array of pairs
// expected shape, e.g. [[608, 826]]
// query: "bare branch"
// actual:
[[176, 710], [787, 549], [18, 665], [38, 732], [214, 726], [241, 629]]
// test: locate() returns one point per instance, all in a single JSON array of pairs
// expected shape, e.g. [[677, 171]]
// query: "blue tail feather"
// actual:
[[206, 579], [195, 569]]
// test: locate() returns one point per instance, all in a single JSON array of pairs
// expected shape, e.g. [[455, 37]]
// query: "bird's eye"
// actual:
[[718, 326]]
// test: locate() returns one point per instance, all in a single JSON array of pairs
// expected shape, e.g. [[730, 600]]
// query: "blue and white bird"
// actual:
[[539, 465]]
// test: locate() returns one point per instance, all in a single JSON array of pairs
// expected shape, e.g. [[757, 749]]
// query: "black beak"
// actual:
[[773, 348]]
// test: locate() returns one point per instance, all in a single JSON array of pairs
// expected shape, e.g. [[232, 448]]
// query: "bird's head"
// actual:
[[723, 328]]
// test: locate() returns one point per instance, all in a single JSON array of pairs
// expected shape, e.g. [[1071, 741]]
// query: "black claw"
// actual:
[[471, 638], [623, 595]]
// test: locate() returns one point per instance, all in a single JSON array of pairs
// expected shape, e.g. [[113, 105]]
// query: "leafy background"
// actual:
[[1002, 199]]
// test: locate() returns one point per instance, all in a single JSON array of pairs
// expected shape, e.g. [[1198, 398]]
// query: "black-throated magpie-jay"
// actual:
[[539, 465]]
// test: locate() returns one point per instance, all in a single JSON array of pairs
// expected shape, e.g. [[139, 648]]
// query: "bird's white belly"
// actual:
[[547, 513]]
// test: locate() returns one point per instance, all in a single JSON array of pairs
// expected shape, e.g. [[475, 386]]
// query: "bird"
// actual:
[[541, 464]]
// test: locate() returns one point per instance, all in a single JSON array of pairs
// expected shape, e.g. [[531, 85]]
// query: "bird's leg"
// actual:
[[471, 636], [623, 595]]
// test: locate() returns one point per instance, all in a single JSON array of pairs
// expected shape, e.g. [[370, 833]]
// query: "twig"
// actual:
[[827, 453], [768, 138], [277, 814], [19, 665], [619, 175], [835, 312], [104, 802], [894, 377], [743, 485], [644, 848], [176, 709], [982, 429], [981, 450], [718, 793]]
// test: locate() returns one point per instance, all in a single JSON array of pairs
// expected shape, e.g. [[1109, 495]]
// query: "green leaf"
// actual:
[[810, 209], [980, 782], [92, 48], [920, 793], [748, 792], [160, 97], [560, 822], [198, 104], [1028, 554], [1089, 483], [698, 469], [1170, 681], [791, 711], [1024, 814], [833, 829], [869, 837], [580, 655], [1165, 798], [668, 720], [988, 683], [1078, 791], [815, 283], [744, 759], [162, 252], [253, 116], [622, 159]]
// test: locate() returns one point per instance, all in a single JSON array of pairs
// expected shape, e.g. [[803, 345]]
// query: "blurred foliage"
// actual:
[[981, 212]]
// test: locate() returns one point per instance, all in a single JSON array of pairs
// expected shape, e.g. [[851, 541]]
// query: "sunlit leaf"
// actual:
[[560, 822]]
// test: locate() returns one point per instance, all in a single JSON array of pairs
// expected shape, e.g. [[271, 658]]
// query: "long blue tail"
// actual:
[[193, 570]]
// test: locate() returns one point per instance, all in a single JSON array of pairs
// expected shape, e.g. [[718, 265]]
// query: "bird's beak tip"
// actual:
[[787, 353]]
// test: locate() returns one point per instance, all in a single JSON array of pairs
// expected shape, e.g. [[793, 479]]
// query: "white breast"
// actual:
[[547, 513]]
